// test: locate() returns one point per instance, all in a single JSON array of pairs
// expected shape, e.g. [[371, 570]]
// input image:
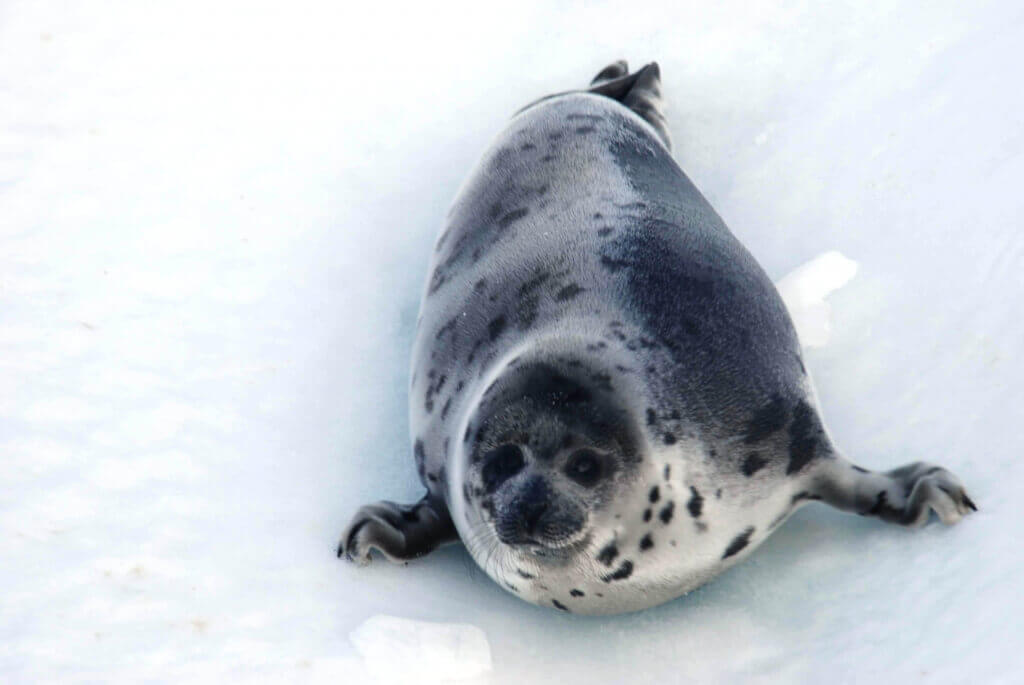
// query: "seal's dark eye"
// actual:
[[500, 464], [585, 468]]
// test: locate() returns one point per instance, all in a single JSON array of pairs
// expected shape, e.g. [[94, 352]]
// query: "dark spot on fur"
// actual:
[[613, 265], [752, 464], [670, 439], [800, 496], [881, 505], [546, 158], [654, 495], [859, 469], [607, 555], [696, 503], [666, 512], [585, 129], [524, 574], [803, 437], [445, 408], [534, 283], [585, 117], [738, 543], [668, 471], [605, 230], [559, 605], [496, 326], [652, 417], [647, 515], [448, 326], [433, 387], [646, 543], [625, 570], [768, 419], [511, 217], [568, 292], [527, 146], [576, 593], [473, 350], [418, 451]]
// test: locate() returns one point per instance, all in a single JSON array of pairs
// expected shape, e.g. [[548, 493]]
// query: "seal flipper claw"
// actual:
[[399, 532]]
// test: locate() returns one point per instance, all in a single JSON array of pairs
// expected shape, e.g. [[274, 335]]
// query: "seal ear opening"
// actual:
[[639, 91]]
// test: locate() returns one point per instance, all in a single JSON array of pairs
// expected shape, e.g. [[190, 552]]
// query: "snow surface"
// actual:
[[215, 221], [804, 290], [400, 650]]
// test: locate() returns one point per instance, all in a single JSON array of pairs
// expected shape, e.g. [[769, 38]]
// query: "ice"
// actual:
[[215, 224], [804, 290], [402, 650]]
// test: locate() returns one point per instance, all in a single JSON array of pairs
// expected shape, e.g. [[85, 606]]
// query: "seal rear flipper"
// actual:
[[399, 532], [614, 70], [639, 91]]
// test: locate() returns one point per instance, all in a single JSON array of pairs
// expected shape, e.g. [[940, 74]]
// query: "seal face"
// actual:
[[608, 400]]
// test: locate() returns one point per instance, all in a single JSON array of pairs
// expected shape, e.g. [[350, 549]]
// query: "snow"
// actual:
[[215, 221], [804, 290], [404, 651]]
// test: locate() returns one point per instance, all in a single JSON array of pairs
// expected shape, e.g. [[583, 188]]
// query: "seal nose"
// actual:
[[521, 520], [534, 504]]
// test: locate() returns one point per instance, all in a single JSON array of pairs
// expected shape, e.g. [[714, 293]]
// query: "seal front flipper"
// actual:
[[399, 532], [906, 495]]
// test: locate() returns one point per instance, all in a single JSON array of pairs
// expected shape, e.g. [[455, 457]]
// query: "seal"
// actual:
[[608, 400]]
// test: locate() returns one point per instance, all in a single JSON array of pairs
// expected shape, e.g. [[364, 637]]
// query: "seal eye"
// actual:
[[500, 464], [585, 467]]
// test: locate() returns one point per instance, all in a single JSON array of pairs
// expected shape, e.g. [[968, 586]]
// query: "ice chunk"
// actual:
[[403, 650], [804, 290]]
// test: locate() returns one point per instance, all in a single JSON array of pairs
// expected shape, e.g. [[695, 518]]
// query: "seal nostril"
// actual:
[[532, 513], [534, 500]]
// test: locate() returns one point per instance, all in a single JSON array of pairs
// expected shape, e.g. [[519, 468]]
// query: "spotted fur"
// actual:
[[608, 401]]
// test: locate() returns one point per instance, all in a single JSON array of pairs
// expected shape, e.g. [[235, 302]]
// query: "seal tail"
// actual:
[[639, 91]]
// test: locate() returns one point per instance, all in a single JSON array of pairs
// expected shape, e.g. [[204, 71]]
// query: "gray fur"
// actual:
[[586, 309]]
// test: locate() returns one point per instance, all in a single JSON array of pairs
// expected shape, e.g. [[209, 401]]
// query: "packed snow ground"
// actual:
[[215, 221]]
